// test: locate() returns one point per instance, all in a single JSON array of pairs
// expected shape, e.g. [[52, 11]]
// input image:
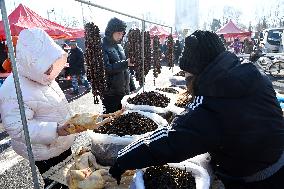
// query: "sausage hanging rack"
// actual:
[[130, 16], [16, 75]]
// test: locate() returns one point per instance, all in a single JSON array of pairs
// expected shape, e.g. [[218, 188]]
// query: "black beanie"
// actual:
[[115, 25], [200, 49]]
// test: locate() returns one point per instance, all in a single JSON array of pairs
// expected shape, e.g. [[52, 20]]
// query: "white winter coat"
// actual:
[[45, 103]]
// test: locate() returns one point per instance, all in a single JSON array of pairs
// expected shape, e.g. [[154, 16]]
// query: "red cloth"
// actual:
[[23, 17], [159, 31]]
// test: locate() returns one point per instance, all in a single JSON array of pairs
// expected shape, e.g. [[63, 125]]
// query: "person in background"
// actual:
[[177, 51], [237, 46], [7, 65], [118, 77], [3, 56], [224, 41], [65, 47], [234, 115], [248, 46], [77, 68], [39, 61]]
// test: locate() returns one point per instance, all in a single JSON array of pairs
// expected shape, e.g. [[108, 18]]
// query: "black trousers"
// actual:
[[112, 103], [45, 165], [276, 181]]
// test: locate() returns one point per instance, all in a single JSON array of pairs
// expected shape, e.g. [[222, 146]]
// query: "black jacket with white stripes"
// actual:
[[235, 116]]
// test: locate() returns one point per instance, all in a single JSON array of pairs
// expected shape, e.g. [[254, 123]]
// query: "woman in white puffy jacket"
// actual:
[[39, 61]]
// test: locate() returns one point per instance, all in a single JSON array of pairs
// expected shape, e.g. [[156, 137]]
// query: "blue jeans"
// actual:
[[83, 79]]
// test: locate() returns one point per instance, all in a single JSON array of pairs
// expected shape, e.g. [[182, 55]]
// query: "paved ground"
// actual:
[[15, 171]]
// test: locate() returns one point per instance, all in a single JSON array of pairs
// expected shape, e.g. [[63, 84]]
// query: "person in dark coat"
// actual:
[[234, 115], [118, 78], [177, 51], [76, 67]]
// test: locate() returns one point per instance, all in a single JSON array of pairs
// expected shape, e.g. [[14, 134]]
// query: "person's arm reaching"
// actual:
[[190, 134]]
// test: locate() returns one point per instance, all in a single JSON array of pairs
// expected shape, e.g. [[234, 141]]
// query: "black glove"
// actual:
[[116, 172]]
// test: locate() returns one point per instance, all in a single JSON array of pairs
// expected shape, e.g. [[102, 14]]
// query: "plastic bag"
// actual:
[[197, 166], [154, 109], [105, 147], [177, 80]]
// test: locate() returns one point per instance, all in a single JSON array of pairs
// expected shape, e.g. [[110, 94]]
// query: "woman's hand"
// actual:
[[62, 130]]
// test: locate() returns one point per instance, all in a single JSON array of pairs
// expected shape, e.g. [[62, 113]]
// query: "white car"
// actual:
[[273, 40]]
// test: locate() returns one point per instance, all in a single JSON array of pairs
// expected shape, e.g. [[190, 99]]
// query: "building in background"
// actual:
[[186, 16]]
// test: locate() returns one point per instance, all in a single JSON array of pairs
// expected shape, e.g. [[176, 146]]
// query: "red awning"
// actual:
[[23, 17], [230, 30], [159, 31]]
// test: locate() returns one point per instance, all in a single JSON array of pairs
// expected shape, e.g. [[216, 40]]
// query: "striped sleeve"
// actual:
[[190, 134], [159, 133]]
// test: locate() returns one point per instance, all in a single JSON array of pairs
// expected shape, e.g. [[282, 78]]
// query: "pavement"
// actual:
[[15, 171]]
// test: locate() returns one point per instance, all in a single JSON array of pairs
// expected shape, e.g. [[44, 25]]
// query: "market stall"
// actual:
[[23, 17], [230, 31], [91, 171]]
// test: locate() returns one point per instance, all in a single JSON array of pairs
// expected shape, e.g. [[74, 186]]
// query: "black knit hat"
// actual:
[[200, 49], [115, 25]]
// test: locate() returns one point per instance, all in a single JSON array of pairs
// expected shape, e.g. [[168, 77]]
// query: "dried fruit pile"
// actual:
[[181, 73], [183, 100], [164, 177], [170, 51], [168, 90], [129, 124], [150, 98], [135, 54], [147, 53], [156, 57], [94, 60]]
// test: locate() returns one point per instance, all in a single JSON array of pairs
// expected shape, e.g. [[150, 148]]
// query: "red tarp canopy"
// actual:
[[23, 17], [159, 31], [230, 30]]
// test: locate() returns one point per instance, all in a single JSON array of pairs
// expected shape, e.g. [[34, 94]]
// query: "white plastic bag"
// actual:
[[105, 147], [154, 109], [202, 178], [201, 175], [177, 80]]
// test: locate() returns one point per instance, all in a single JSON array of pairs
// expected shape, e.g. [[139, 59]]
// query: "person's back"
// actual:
[[234, 115], [77, 68], [247, 111], [76, 61]]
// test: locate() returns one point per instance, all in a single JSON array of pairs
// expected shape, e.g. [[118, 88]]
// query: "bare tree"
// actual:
[[215, 25], [231, 13], [70, 22]]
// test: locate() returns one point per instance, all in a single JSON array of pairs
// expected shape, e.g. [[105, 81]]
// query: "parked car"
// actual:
[[272, 39]]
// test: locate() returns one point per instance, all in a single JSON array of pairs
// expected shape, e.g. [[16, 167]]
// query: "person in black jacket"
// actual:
[[177, 51], [118, 79], [76, 67], [234, 115]]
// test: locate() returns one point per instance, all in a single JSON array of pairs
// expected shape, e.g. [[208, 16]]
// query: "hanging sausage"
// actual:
[[94, 60], [156, 57], [170, 51]]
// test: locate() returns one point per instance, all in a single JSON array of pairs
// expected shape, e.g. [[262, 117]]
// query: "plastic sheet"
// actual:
[[202, 178], [105, 147]]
